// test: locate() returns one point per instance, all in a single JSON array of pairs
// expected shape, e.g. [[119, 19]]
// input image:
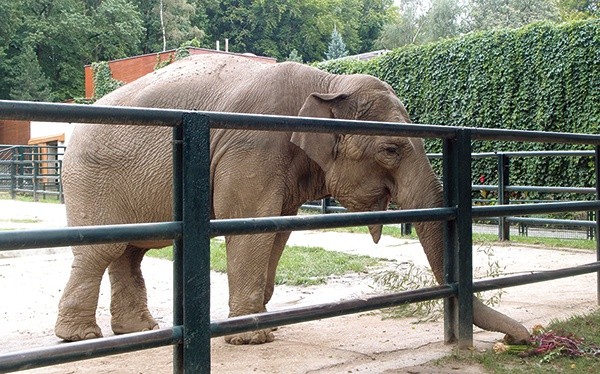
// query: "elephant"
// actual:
[[122, 174]]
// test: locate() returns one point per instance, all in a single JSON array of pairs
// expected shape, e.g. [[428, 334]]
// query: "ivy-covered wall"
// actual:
[[542, 77]]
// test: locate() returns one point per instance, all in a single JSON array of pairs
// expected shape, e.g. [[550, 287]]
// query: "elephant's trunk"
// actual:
[[431, 236]]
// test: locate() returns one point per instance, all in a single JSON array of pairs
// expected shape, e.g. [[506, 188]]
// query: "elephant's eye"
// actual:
[[388, 155]]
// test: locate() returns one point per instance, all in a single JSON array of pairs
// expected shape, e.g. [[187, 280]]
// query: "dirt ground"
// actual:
[[31, 284]]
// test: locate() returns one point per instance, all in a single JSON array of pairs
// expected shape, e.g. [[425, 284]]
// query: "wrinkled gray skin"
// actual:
[[122, 174]]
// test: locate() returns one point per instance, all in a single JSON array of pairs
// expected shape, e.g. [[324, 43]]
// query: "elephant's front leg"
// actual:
[[129, 301], [247, 267], [278, 247]]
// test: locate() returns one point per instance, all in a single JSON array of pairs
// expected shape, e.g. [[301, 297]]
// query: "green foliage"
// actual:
[[103, 80], [542, 77], [28, 81], [490, 14], [490, 361], [118, 30], [336, 47], [272, 28], [294, 56], [408, 277]]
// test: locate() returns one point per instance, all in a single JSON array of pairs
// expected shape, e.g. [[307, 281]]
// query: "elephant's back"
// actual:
[[199, 82]]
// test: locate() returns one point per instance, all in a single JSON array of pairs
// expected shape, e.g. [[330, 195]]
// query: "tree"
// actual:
[[117, 30], [374, 14], [337, 47], [578, 9], [405, 29], [176, 25], [273, 28], [27, 79], [294, 56], [442, 20], [492, 14]]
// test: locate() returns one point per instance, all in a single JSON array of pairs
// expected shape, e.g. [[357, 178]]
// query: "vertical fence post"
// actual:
[[449, 167], [459, 264], [324, 205], [196, 243], [597, 165], [61, 196], [13, 177], [178, 244], [35, 166], [503, 197]]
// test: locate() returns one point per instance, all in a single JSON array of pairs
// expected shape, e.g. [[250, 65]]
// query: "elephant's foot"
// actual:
[[252, 337], [71, 330], [124, 324]]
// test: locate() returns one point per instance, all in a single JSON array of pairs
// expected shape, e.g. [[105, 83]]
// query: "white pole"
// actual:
[[217, 45], [226, 45]]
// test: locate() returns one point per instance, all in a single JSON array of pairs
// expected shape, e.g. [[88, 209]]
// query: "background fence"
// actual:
[[579, 225], [31, 170], [36, 171]]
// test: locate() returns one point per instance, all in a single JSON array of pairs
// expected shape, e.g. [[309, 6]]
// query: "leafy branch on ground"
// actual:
[[407, 276], [571, 345], [550, 345]]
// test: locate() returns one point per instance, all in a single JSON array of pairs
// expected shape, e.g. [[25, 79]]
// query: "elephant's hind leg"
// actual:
[[77, 308], [129, 302]]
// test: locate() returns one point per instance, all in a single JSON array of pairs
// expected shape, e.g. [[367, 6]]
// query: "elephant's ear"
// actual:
[[320, 147]]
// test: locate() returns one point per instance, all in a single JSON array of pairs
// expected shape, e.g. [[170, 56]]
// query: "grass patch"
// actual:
[[586, 327], [299, 266], [21, 220], [29, 198]]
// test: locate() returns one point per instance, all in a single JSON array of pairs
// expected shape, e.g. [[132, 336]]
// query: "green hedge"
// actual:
[[541, 77]]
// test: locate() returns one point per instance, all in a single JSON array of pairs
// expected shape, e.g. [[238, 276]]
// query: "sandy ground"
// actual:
[[31, 284]]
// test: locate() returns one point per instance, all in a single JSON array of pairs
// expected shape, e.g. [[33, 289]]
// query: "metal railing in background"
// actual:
[[31, 170], [550, 227], [36, 171], [191, 229]]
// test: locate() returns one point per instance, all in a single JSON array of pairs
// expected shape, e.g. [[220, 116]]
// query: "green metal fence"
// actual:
[[31, 170], [500, 194], [191, 229]]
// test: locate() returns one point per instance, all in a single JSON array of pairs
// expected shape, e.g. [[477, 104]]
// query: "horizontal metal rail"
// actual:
[[534, 277], [478, 155], [526, 209], [57, 237], [23, 110], [265, 320], [289, 316], [580, 190], [169, 230], [278, 224], [549, 221], [87, 349]]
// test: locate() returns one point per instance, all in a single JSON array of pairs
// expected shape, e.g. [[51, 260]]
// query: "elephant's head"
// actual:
[[365, 172]]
